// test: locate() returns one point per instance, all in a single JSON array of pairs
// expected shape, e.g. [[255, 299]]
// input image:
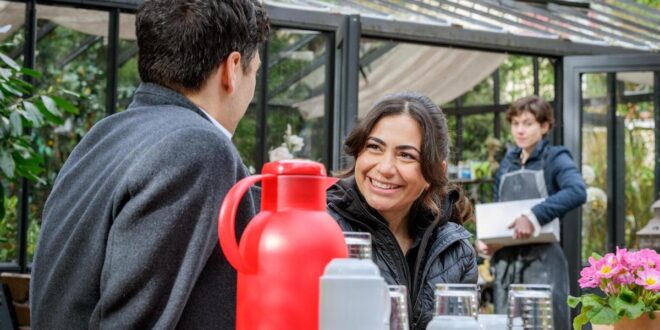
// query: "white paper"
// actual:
[[493, 220]]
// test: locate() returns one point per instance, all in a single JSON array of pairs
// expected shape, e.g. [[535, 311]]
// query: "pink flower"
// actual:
[[588, 278], [608, 266], [648, 259], [649, 279]]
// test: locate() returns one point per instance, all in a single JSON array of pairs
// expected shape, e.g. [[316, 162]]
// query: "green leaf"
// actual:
[[9, 62], [7, 86], [581, 319], [623, 306], [5, 73], [65, 105], [7, 164], [2, 202], [51, 106], [21, 85], [573, 301], [593, 300], [596, 256], [31, 73], [50, 117], [606, 315], [33, 114], [16, 124]]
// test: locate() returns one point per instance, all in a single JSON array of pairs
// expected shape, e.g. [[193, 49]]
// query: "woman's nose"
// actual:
[[387, 166]]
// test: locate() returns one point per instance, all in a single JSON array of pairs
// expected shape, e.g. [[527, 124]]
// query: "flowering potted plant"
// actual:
[[631, 283]]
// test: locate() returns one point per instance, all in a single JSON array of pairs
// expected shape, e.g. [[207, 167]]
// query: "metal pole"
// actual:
[[113, 55], [262, 108], [29, 61], [656, 115], [496, 99]]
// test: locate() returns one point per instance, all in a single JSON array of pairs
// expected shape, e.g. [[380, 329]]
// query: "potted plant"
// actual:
[[631, 284]]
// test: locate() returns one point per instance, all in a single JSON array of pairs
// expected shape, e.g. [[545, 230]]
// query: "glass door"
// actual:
[[610, 110]]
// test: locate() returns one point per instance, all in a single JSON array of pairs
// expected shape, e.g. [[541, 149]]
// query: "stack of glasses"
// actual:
[[530, 307]]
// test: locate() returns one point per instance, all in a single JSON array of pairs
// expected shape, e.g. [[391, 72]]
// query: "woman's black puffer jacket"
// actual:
[[448, 258]]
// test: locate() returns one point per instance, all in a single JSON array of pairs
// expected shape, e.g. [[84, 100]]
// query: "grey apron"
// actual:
[[531, 263]]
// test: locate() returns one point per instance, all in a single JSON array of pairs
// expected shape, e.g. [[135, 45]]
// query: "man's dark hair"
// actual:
[[538, 107], [181, 42]]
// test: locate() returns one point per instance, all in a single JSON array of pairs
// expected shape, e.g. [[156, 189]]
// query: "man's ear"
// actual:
[[230, 71], [444, 166]]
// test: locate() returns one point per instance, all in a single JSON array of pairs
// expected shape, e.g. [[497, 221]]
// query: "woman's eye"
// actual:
[[407, 156], [372, 146]]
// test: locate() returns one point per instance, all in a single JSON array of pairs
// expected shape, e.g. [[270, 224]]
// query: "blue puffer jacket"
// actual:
[[566, 188], [441, 252]]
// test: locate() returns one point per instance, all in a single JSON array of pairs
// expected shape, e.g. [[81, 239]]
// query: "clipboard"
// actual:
[[494, 218]]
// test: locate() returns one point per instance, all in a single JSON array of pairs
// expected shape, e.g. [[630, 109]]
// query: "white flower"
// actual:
[[596, 201], [595, 194], [279, 153], [295, 142], [588, 174]]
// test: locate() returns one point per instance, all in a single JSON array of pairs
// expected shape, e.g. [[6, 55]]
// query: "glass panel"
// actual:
[[245, 137], [594, 163], [547, 79], [11, 44], [505, 132], [516, 78], [476, 129], [635, 106], [74, 61], [296, 94], [128, 77], [453, 151], [481, 94]]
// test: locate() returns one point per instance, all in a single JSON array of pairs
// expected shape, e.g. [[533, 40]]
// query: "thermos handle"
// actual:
[[227, 221]]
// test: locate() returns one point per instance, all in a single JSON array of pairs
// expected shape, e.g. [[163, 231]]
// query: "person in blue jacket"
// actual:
[[535, 169]]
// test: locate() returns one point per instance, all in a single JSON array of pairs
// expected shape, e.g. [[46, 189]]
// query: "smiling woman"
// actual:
[[398, 191]]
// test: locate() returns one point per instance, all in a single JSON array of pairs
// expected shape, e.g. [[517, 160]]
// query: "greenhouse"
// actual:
[[326, 63]]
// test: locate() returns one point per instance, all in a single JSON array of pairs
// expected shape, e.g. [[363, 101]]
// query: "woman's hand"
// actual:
[[522, 228]]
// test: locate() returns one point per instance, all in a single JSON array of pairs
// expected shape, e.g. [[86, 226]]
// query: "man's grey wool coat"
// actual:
[[129, 236]]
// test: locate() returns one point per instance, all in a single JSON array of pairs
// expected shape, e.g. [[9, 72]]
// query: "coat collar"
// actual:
[[149, 95]]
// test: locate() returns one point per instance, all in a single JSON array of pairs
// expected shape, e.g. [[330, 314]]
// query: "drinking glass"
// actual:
[[456, 299], [530, 306], [359, 244], [399, 305]]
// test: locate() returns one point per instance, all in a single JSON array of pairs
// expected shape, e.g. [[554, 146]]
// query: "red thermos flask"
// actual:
[[284, 249]]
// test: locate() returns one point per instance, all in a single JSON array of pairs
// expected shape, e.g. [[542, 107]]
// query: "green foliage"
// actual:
[[600, 310], [21, 113], [9, 229], [26, 111]]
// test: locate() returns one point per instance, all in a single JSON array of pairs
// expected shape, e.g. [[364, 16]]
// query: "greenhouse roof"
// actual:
[[609, 23], [536, 27]]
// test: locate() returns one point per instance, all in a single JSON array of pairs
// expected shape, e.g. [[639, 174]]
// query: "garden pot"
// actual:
[[642, 322]]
